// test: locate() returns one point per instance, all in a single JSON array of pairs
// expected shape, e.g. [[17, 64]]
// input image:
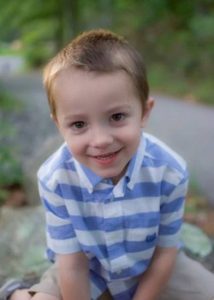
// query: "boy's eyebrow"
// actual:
[[74, 116], [120, 107], [110, 110]]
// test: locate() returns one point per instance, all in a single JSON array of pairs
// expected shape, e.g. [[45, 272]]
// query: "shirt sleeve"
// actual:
[[60, 234], [171, 213]]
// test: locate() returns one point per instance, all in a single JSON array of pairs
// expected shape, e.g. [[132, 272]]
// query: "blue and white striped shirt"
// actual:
[[116, 226]]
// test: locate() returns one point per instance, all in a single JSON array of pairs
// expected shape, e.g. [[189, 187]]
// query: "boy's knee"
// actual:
[[43, 296], [20, 295]]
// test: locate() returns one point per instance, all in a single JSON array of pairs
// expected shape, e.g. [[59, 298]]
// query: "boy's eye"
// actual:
[[118, 117], [78, 125]]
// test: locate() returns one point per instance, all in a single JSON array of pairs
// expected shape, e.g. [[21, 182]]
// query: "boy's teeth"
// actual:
[[105, 156]]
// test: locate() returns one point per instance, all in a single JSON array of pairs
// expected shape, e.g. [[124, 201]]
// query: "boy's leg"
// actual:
[[20, 295], [16, 288], [105, 296], [189, 281], [24, 295], [48, 289], [43, 296]]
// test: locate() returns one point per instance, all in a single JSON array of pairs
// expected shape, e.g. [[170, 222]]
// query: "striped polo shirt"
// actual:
[[116, 226]]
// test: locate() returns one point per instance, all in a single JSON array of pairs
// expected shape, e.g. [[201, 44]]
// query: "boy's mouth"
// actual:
[[106, 158]]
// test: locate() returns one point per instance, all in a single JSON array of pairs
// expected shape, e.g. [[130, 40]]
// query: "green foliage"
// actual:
[[6, 50], [195, 241], [7, 103], [164, 80], [37, 50], [175, 34], [10, 171]]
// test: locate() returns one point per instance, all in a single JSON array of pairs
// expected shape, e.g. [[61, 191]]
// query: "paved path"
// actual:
[[10, 64], [186, 127]]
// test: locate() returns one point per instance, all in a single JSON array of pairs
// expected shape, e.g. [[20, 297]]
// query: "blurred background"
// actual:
[[176, 39]]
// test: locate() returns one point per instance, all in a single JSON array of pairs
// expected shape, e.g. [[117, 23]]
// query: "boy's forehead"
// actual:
[[68, 76], [80, 76], [81, 86], [70, 71]]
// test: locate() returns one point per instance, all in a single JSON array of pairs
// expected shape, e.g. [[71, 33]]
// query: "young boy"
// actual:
[[114, 195]]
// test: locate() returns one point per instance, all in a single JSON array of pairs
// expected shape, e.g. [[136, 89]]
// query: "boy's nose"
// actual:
[[101, 138]]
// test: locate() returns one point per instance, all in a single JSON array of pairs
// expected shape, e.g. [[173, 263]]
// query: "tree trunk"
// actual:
[[71, 19]]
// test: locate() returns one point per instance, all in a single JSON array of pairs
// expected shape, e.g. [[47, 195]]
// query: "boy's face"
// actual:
[[100, 117]]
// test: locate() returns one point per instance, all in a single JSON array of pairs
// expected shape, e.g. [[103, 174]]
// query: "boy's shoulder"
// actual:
[[158, 154], [61, 159]]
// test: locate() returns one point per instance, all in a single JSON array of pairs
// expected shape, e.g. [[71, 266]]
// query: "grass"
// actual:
[[196, 90], [6, 50], [10, 52], [8, 103]]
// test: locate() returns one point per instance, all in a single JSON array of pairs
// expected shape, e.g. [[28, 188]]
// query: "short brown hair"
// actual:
[[100, 51]]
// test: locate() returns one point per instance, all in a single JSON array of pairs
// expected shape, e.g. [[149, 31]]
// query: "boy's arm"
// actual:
[[74, 276], [157, 275]]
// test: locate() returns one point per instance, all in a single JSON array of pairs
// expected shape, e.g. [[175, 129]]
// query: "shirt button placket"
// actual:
[[114, 234]]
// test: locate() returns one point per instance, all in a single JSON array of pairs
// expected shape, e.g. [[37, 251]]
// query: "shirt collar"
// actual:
[[135, 164], [87, 176], [131, 176]]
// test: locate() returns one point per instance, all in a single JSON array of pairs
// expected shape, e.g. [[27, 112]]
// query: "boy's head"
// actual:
[[98, 95], [99, 51]]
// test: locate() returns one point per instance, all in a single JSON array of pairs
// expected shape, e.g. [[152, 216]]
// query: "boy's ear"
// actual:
[[147, 110], [54, 119]]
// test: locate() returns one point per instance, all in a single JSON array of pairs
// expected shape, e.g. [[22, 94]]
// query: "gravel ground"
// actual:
[[31, 121]]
